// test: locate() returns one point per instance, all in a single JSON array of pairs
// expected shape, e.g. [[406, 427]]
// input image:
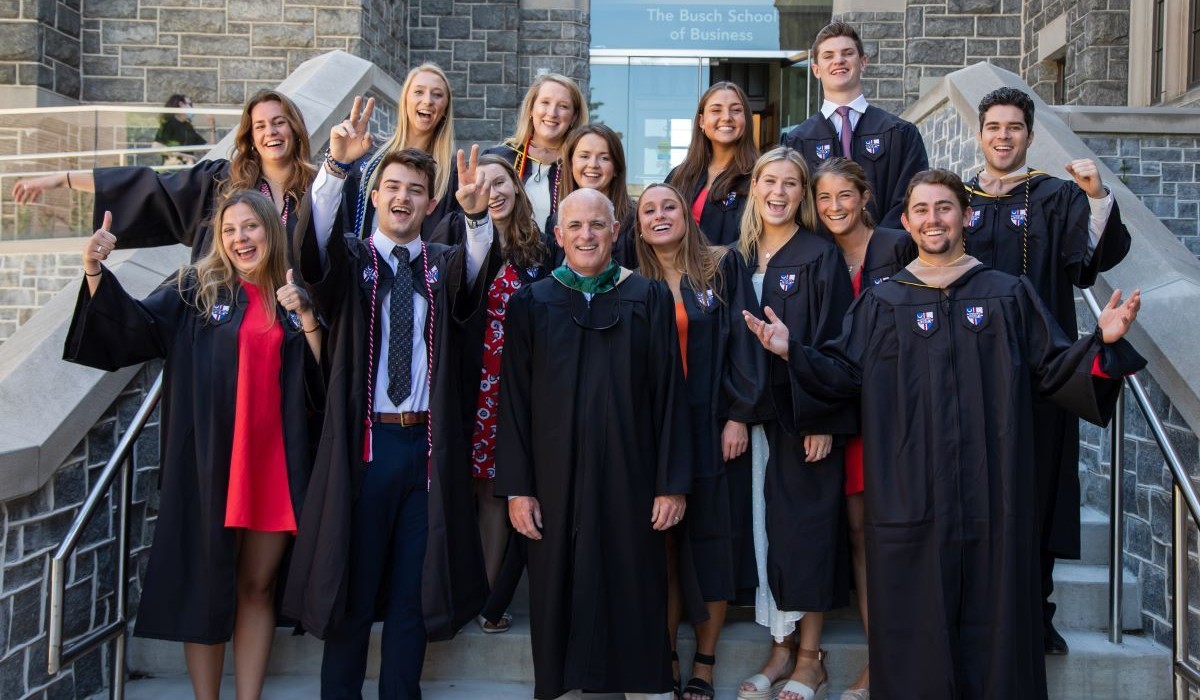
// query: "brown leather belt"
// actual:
[[406, 419]]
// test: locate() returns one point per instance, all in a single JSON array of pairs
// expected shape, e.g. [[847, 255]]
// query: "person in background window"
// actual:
[[177, 130]]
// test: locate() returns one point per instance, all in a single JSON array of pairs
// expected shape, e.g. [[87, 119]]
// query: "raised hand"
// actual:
[[1087, 176], [31, 189], [98, 247], [352, 139], [772, 333], [472, 196], [1116, 318], [292, 296]]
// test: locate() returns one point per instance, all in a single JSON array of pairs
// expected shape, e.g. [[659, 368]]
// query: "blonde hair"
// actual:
[[442, 143], [524, 130], [699, 262], [214, 276], [752, 222]]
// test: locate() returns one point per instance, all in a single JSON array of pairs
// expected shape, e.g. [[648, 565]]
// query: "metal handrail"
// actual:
[[120, 463], [1185, 503]]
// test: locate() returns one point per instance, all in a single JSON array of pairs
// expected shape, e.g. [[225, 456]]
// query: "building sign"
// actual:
[[676, 24]]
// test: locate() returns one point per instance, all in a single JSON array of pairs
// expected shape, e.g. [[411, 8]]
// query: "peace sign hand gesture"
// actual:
[[352, 139], [474, 195]]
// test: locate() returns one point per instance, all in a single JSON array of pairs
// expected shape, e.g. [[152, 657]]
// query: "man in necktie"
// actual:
[[385, 299], [889, 149]]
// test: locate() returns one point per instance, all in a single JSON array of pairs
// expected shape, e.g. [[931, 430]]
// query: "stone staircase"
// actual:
[[474, 665]]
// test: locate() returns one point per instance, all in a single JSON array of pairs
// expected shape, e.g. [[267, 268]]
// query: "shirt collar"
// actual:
[[858, 104], [384, 245]]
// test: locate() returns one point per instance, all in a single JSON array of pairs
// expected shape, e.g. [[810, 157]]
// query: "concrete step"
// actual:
[[1094, 668], [454, 669], [1081, 593], [1093, 536]]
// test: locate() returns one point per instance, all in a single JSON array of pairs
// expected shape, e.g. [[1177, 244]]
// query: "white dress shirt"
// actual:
[[857, 106]]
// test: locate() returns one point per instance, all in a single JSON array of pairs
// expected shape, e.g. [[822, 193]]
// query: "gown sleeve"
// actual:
[[745, 374], [915, 160], [155, 209], [824, 377], [669, 403], [1063, 371], [1112, 248], [111, 329], [514, 433]]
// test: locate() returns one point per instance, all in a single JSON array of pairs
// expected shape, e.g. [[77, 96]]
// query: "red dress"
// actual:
[[698, 204], [259, 497], [681, 327], [487, 404], [854, 445]]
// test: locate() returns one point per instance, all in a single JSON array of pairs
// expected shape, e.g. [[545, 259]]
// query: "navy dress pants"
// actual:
[[387, 552]]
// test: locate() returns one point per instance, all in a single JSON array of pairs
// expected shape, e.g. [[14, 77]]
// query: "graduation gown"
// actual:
[[190, 593], [454, 584], [153, 209], [720, 220], [888, 252], [889, 149], [808, 562], [357, 182], [1057, 215], [726, 368], [593, 423], [946, 379]]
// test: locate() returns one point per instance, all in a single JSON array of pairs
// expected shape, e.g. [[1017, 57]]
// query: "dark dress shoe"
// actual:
[[1055, 644]]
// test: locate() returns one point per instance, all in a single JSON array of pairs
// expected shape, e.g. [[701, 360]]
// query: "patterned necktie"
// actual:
[[847, 130], [400, 320]]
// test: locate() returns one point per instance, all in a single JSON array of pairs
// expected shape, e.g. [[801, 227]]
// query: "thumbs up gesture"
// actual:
[[292, 296], [99, 246]]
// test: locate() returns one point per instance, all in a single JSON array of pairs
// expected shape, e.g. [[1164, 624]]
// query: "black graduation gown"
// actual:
[[190, 591], [454, 585], [808, 563], [889, 149], [154, 209], [947, 378], [726, 368], [594, 424], [720, 220], [356, 182], [510, 154], [888, 252], [1058, 237]]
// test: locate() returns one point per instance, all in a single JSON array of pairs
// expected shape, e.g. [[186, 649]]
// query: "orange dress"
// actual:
[[681, 327], [259, 497], [854, 444]]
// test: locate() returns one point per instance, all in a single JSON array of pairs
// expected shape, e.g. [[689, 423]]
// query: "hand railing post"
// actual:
[[1181, 592], [1116, 533], [126, 499]]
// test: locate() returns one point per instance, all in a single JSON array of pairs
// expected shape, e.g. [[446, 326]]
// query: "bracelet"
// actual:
[[95, 274], [340, 165], [68, 179], [313, 330], [475, 220], [334, 170]]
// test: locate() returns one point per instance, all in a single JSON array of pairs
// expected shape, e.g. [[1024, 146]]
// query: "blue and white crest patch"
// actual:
[[976, 215], [873, 145], [824, 150], [1018, 216], [729, 200], [533, 271], [432, 276], [974, 315], [926, 321], [368, 275], [705, 298], [787, 281], [219, 312]]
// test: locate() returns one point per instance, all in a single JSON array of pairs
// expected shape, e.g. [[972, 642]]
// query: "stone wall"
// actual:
[[40, 45], [146, 50], [1162, 171], [941, 37], [1096, 51], [28, 281], [33, 526]]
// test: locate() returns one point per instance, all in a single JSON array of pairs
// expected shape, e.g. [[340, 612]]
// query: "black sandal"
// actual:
[[698, 687], [675, 690]]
